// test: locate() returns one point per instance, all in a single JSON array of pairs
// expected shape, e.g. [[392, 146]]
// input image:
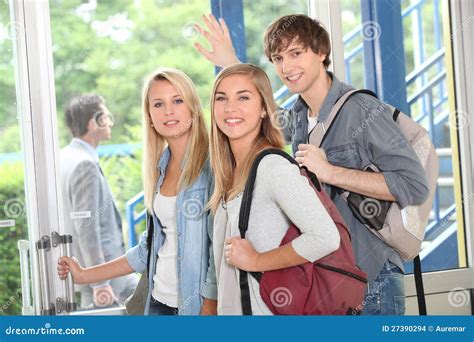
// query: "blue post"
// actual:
[[421, 46], [132, 239], [384, 54], [438, 35], [233, 13], [348, 71]]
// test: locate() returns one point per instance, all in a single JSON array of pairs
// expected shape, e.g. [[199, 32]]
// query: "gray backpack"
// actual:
[[401, 229]]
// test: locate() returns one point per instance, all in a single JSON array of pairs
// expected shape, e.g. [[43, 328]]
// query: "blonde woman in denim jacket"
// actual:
[[177, 185]]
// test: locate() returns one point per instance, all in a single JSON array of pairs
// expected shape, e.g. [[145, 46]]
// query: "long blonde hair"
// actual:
[[222, 159], [155, 144]]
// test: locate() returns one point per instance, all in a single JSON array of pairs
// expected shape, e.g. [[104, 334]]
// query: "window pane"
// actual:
[[13, 222], [428, 95]]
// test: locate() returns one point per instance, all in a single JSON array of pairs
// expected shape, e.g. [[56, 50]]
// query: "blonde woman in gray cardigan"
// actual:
[[243, 123]]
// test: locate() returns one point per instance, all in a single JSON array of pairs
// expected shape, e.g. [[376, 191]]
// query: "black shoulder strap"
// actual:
[[396, 113], [149, 238], [244, 215], [420, 292], [248, 191]]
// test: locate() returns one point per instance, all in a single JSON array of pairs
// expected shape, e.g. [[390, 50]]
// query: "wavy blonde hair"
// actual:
[[154, 144], [222, 159]]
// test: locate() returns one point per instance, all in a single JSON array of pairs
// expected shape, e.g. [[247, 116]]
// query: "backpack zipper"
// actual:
[[347, 273]]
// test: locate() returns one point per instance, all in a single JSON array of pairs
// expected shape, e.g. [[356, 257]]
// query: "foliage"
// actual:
[[124, 177], [12, 207]]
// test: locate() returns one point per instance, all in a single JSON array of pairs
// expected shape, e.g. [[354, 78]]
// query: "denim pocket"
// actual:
[[372, 304], [399, 303]]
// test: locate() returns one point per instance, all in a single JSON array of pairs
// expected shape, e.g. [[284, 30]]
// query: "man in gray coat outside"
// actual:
[[89, 208]]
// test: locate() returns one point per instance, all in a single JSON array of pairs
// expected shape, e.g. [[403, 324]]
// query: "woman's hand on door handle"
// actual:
[[96, 274], [66, 265]]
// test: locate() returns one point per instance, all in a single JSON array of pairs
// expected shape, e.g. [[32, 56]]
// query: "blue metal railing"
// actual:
[[123, 150], [134, 218]]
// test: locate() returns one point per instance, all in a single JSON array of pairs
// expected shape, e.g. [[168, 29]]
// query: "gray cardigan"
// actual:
[[281, 195]]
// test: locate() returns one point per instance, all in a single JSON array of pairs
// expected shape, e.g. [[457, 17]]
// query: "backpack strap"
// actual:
[[244, 216], [244, 213], [396, 112], [150, 232], [420, 291], [320, 131], [316, 138]]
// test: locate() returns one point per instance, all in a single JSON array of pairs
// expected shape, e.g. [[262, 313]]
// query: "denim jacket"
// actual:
[[363, 134], [196, 276]]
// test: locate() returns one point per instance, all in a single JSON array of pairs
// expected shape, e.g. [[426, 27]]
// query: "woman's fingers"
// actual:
[[208, 22], [228, 252], [225, 30], [66, 265], [63, 272], [203, 51], [213, 25], [217, 29], [210, 38], [63, 268]]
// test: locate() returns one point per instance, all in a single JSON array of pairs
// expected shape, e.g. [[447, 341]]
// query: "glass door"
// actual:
[[13, 210], [99, 49], [29, 192]]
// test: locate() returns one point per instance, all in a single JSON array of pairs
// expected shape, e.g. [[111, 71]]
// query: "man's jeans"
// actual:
[[386, 294]]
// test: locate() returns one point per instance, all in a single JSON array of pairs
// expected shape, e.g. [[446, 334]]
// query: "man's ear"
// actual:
[[91, 124]]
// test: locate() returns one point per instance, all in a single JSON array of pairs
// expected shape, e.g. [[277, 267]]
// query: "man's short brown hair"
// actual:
[[80, 110], [297, 28]]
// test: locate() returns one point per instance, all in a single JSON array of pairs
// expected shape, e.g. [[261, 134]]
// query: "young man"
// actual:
[[364, 134], [89, 207]]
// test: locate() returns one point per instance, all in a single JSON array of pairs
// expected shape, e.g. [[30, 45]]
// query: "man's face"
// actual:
[[298, 67], [102, 123]]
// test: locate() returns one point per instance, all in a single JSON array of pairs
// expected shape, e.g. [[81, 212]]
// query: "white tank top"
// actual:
[[165, 280]]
